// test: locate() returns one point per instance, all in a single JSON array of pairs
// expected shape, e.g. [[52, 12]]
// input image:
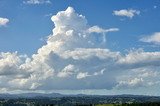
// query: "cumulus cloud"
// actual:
[[126, 13], [73, 59], [37, 2], [139, 58], [3, 21], [68, 70], [154, 38], [8, 62], [82, 75], [140, 77]]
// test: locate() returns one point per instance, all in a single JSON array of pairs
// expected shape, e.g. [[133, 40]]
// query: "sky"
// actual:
[[104, 47]]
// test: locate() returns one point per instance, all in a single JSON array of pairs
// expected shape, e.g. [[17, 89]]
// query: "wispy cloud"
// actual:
[[154, 38], [97, 29], [126, 13], [37, 2], [155, 7]]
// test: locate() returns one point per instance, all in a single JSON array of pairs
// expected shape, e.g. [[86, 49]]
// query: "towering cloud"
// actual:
[[73, 58]]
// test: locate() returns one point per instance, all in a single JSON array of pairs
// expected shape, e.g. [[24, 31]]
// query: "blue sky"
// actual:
[[30, 23], [28, 44]]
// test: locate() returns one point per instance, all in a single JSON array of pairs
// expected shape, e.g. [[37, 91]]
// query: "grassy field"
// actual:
[[105, 105]]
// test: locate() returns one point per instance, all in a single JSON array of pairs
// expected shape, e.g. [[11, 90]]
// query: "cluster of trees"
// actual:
[[142, 104], [133, 104]]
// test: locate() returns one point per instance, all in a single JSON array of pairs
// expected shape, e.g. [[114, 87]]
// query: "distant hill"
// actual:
[[53, 95], [30, 95]]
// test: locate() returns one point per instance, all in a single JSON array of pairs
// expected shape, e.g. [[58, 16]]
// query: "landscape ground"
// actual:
[[77, 100]]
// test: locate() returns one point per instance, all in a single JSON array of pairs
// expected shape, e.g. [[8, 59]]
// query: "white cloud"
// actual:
[[130, 83], [126, 13], [66, 55], [9, 64], [97, 29], [37, 2], [3, 21], [67, 71], [139, 57], [139, 77], [82, 75], [73, 59], [154, 38]]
